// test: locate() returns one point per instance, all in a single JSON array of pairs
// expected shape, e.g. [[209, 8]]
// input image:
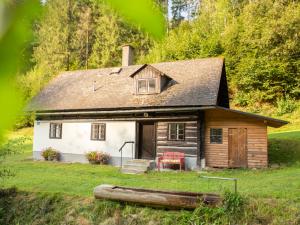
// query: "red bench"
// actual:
[[171, 158]]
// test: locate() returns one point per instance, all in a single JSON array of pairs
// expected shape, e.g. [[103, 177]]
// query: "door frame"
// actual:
[[246, 148], [139, 124]]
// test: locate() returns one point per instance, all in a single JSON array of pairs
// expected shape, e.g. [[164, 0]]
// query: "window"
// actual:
[[142, 86], [146, 86], [216, 135], [151, 83], [176, 131], [55, 130], [98, 132]]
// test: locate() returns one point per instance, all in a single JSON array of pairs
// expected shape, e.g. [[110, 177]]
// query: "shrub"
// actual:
[[50, 154], [95, 157], [12, 146], [233, 203], [285, 105], [229, 212], [241, 100]]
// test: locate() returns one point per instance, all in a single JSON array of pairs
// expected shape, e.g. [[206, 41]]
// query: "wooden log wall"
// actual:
[[189, 146], [216, 155]]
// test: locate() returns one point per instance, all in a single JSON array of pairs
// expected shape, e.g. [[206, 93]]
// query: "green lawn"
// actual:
[[286, 135], [80, 179]]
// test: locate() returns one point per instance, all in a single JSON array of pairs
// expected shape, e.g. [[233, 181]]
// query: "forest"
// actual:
[[258, 39]]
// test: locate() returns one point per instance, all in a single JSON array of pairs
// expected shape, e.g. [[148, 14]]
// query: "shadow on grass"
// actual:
[[284, 148]]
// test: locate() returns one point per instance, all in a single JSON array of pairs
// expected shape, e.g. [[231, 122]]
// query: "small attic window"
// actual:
[[146, 86]]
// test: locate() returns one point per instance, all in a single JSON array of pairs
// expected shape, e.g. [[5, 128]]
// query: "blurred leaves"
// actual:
[[16, 21], [145, 14], [15, 31]]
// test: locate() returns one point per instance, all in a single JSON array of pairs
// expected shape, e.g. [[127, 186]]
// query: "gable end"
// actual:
[[150, 79]]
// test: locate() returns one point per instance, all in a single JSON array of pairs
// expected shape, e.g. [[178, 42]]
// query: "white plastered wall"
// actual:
[[76, 138]]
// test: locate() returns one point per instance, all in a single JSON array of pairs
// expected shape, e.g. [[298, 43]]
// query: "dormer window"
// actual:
[[149, 80], [146, 86]]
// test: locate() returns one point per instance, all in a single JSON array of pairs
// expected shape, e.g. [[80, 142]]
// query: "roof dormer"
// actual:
[[149, 80]]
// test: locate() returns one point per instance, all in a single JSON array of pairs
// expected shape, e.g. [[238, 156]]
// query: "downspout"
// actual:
[[201, 158]]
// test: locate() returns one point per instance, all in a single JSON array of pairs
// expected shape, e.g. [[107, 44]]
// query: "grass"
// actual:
[[51, 191], [39, 209], [269, 110], [284, 147], [286, 135], [80, 179]]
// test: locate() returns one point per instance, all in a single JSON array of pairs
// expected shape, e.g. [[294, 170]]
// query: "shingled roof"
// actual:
[[194, 83]]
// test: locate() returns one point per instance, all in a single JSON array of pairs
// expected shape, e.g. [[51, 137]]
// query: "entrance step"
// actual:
[[138, 166]]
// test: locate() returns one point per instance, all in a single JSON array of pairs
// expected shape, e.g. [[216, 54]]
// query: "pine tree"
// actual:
[[52, 48]]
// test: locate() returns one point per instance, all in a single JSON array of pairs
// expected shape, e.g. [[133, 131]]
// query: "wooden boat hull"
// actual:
[[155, 198]]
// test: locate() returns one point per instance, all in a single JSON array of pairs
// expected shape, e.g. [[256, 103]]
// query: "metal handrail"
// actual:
[[224, 178], [121, 150]]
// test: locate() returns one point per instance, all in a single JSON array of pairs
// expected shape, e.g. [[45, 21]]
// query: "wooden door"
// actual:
[[237, 147], [147, 141]]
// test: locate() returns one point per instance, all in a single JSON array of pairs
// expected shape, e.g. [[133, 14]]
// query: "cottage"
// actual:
[[180, 106]]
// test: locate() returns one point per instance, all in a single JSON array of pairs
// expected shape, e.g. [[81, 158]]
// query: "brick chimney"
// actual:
[[127, 55]]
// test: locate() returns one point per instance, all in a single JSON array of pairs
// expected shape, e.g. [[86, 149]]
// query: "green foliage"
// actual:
[[142, 13], [242, 99], [73, 35], [259, 40], [17, 207], [82, 178], [96, 157], [196, 39], [15, 21], [50, 154], [12, 146], [284, 148], [229, 212], [233, 204], [272, 194], [285, 105], [183, 10], [262, 50]]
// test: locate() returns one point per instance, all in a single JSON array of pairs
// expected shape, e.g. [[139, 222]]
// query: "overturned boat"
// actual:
[[155, 198]]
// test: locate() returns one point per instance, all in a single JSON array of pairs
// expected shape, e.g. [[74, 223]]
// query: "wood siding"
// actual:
[[148, 73], [189, 146], [216, 155]]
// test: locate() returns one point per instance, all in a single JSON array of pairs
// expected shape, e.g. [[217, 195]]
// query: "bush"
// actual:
[[95, 157], [233, 203], [50, 154], [12, 146], [285, 105], [229, 212]]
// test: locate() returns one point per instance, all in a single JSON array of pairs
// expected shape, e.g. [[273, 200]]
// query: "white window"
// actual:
[[98, 131], [55, 131], [146, 86], [176, 131]]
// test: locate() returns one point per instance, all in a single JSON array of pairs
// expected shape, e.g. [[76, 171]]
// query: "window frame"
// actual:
[[211, 136], [99, 138], [147, 80], [55, 134], [177, 132]]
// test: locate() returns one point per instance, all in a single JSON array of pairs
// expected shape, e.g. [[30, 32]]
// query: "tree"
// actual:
[[52, 49], [183, 9], [259, 39], [262, 49], [76, 35]]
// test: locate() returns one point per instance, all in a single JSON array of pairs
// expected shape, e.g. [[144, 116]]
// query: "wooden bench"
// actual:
[[171, 158]]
